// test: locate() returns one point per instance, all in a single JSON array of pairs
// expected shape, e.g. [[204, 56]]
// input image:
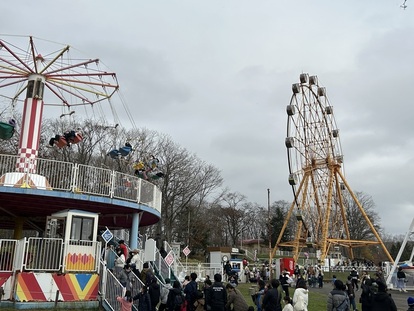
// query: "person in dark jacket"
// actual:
[[271, 300], [175, 291], [284, 281], [154, 293], [382, 301], [351, 292], [190, 291], [144, 300], [216, 297], [366, 295]]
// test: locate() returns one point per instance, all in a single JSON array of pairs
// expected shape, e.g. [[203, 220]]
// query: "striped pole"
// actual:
[[31, 122]]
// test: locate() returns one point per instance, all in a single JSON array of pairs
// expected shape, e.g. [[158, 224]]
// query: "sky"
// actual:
[[216, 76]]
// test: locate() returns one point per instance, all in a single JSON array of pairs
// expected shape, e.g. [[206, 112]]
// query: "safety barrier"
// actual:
[[79, 178], [50, 255]]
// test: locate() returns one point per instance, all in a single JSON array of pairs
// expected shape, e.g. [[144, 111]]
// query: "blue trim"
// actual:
[[82, 197]]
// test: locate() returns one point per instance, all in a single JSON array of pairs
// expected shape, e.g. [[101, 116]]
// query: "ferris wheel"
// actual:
[[315, 163]]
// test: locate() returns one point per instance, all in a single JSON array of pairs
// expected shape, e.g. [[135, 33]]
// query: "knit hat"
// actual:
[[410, 301]]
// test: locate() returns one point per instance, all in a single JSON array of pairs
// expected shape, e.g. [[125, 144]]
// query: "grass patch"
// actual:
[[317, 300]]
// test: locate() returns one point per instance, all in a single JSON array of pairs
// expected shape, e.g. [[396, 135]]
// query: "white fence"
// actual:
[[78, 178], [48, 254]]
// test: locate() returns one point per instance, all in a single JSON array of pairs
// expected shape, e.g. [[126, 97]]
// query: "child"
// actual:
[[126, 301], [288, 304]]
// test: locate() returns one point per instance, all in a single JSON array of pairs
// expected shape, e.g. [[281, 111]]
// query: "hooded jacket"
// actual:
[[382, 301]]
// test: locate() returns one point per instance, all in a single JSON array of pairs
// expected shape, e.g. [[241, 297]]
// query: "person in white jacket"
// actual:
[[119, 262], [300, 297]]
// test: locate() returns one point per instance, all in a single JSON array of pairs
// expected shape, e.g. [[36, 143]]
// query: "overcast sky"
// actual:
[[217, 76]]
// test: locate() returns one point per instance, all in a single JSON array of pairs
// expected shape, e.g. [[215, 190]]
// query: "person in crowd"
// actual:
[[333, 280], [287, 304], [382, 300], [300, 296], [154, 293], [126, 301], [126, 277], [186, 281], [258, 297], [175, 298], [216, 298], [364, 276], [355, 278], [133, 261], [146, 274], [124, 248], [227, 269], [144, 300], [366, 294], [235, 299], [272, 299], [284, 281], [190, 291], [401, 280], [165, 290], [410, 302], [119, 262], [296, 272], [207, 285], [351, 292], [337, 298], [319, 271], [311, 276], [247, 273], [379, 276]]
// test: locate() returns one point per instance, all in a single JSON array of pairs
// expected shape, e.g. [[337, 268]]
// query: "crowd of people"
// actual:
[[271, 294]]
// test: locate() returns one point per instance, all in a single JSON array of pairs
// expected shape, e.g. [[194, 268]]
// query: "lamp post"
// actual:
[[269, 228]]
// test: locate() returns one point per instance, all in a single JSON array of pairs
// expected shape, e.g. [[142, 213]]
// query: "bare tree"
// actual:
[[358, 227]]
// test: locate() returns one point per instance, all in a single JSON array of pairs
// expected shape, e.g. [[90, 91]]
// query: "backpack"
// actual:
[[344, 305], [178, 301]]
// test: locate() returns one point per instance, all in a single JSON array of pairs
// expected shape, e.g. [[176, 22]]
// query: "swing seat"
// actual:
[[124, 151], [139, 174], [155, 175], [6, 130], [61, 142], [114, 154], [76, 139]]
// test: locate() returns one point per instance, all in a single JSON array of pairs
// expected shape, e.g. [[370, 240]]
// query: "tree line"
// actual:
[[197, 209]]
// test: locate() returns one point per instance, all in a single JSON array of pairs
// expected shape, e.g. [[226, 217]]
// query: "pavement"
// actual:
[[400, 298]]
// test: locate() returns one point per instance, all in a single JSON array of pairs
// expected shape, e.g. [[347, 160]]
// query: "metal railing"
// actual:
[[79, 178], [110, 288], [49, 254]]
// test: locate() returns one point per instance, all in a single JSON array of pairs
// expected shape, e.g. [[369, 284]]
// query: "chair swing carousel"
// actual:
[[7, 129]]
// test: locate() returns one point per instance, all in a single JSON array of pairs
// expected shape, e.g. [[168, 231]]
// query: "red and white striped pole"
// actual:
[[31, 123]]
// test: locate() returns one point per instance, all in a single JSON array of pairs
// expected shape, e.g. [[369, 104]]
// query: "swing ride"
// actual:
[[315, 163], [38, 78]]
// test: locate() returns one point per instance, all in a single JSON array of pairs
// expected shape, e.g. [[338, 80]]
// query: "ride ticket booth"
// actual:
[[78, 230]]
